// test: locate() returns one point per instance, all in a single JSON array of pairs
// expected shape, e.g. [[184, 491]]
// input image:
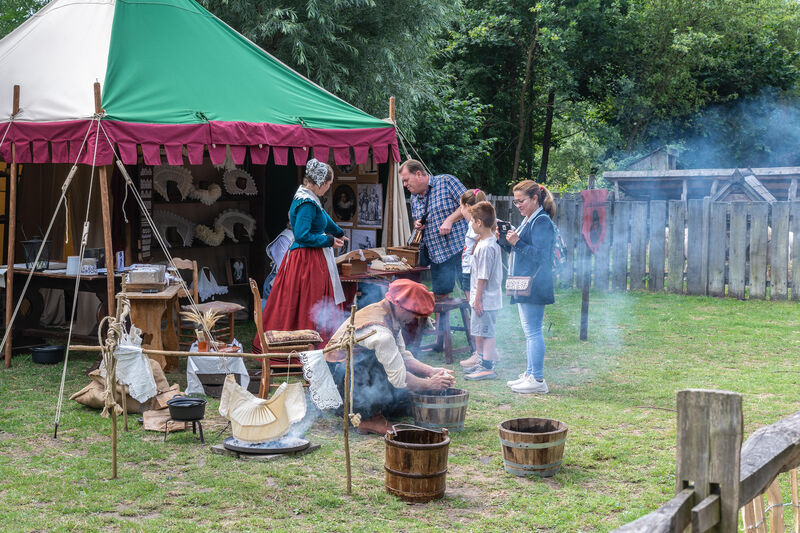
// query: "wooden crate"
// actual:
[[409, 253]]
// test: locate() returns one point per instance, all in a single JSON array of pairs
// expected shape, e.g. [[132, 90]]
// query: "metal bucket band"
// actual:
[[456, 427], [532, 445], [439, 405], [414, 475]]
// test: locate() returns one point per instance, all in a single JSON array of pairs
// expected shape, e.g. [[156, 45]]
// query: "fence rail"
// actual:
[[715, 474], [738, 249]]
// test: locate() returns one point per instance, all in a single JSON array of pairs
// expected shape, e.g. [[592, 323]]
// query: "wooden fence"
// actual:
[[738, 249], [715, 474]]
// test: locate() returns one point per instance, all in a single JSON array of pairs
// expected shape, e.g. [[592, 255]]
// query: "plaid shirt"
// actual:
[[443, 197]]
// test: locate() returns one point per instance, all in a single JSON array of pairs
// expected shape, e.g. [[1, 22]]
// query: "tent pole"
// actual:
[[106, 207], [12, 233], [390, 195]]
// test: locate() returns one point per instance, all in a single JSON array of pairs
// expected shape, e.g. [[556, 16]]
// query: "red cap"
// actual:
[[412, 296]]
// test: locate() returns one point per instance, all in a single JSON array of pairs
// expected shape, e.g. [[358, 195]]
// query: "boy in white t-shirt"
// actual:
[[485, 295]]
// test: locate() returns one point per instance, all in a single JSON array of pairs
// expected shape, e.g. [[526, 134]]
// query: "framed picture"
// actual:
[[344, 203], [369, 167], [346, 248], [370, 205], [363, 239], [237, 270], [345, 171]]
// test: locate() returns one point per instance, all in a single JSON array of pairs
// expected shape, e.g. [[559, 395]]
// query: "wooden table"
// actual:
[[350, 284], [148, 310], [27, 322]]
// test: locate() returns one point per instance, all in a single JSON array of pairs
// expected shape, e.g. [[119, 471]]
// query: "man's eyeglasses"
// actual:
[[520, 202]]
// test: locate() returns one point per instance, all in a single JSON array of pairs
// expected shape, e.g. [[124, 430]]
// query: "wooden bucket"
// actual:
[[532, 446], [416, 462], [445, 409]]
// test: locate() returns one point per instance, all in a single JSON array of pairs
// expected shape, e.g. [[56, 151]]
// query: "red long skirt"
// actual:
[[302, 297]]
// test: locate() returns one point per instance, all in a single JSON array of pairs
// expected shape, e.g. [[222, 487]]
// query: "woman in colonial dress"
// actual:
[[307, 293]]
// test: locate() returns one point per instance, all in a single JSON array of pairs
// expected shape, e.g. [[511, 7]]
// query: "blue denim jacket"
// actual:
[[533, 257]]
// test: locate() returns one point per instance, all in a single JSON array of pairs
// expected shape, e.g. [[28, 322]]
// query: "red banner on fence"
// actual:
[[594, 217]]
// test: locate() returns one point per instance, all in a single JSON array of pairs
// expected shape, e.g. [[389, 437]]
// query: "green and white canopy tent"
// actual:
[[173, 76], [174, 79]]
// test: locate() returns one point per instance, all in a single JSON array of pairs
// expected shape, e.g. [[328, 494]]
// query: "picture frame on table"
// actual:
[[236, 269], [363, 239], [346, 248]]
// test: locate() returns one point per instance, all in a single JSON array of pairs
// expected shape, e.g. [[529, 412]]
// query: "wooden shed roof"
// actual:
[[780, 182]]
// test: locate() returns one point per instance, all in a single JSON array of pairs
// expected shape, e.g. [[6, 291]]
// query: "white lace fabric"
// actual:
[[133, 367], [321, 386], [207, 285]]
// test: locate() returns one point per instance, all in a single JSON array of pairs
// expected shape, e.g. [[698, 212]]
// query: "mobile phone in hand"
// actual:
[[503, 227]]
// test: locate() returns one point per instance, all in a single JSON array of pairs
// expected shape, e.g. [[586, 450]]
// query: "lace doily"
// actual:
[[321, 387]]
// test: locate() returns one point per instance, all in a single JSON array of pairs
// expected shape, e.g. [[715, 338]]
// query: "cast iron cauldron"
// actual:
[[48, 355], [186, 408]]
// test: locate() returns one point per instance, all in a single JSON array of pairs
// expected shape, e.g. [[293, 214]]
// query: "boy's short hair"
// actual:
[[484, 211]]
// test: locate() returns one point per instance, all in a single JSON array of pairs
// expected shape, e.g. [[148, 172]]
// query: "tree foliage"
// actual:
[[496, 90], [15, 12], [364, 51]]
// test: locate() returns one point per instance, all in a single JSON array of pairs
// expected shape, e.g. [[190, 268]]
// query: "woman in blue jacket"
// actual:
[[531, 246], [307, 293]]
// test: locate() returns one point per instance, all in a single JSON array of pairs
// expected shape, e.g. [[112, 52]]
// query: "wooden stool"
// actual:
[[444, 341]]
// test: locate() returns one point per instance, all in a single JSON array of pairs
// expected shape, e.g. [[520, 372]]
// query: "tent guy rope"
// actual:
[[82, 251]]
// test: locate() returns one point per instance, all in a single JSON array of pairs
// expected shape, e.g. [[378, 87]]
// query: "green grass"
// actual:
[[616, 393]]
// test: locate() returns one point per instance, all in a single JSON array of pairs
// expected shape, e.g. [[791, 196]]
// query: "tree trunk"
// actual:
[[548, 131], [523, 109]]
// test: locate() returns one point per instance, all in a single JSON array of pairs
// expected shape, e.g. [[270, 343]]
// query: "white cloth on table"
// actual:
[[322, 388], [213, 365], [133, 366]]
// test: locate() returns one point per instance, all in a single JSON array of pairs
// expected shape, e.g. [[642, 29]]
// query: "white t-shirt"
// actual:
[[469, 245], [487, 264]]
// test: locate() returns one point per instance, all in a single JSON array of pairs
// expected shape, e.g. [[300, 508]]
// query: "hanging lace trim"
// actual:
[[322, 388]]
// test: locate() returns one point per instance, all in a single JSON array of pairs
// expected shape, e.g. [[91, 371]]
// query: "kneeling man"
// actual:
[[383, 370]]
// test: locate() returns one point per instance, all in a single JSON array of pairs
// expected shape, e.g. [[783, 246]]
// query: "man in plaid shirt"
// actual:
[[435, 207]]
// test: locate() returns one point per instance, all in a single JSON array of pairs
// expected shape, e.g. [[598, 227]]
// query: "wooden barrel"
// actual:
[[532, 446], [443, 409], [416, 462]]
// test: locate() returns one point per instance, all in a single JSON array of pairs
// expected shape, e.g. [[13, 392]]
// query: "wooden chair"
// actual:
[[444, 341], [272, 370], [224, 331]]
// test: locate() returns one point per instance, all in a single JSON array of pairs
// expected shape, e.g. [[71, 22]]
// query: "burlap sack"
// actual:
[[154, 420], [92, 394]]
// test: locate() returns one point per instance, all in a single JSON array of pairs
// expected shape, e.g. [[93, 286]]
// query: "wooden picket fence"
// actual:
[[738, 249]]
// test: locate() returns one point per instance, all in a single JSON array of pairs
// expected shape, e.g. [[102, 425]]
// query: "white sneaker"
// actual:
[[531, 386], [520, 379]]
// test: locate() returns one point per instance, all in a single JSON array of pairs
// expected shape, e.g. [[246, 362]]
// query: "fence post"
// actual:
[[708, 456]]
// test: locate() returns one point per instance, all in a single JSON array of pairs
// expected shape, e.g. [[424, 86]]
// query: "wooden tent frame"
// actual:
[[105, 203], [104, 175]]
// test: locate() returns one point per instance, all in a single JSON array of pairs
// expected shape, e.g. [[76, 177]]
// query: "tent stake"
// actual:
[[12, 232], [347, 385]]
